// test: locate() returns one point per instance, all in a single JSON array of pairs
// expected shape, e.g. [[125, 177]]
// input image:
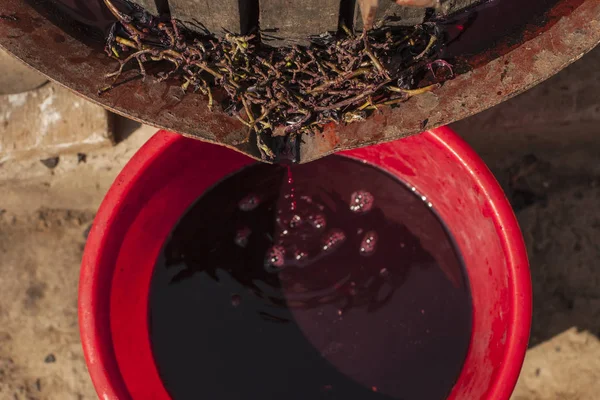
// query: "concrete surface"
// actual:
[[50, 121], [16, 77], [547, 164]]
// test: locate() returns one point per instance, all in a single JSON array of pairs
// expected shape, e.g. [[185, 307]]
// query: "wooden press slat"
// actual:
[[215, 15], [149, 5], [396, 15], [295, 20]]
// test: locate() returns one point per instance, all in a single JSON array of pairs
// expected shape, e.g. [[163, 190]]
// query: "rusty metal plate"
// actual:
[[70, 55]]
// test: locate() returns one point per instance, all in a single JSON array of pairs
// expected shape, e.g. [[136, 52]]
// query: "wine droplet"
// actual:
[[236, 300], [242, 236], [319, 221], [275, 259], [249, 202], [333, 240], [361, 202], [300, 255], [369, 244], [296, 221]]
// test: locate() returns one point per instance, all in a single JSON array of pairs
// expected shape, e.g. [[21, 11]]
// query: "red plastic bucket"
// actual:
[[170, 172]]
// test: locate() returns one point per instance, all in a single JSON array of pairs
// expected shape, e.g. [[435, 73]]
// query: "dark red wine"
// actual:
[[492, 28], [330, 280]]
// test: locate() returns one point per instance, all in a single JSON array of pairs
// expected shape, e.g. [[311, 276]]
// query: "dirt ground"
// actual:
[[544, 147]]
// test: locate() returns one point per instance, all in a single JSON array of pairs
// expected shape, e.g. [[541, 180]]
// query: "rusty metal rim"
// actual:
[[507, 76], [67, 61]]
